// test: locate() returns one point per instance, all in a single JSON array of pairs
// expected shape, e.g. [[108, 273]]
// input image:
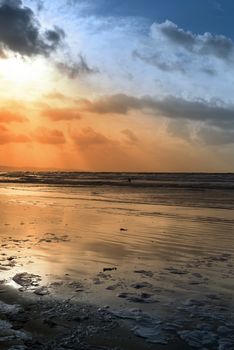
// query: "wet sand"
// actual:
[[91, 273]]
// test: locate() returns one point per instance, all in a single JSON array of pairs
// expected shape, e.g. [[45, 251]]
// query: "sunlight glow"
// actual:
[[21, 71], [23, 77]]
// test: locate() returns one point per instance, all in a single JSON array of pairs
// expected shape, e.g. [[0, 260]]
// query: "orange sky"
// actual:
[[42, 127], [53, 131]]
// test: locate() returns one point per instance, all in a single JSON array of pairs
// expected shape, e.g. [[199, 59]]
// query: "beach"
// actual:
[[116, 261]]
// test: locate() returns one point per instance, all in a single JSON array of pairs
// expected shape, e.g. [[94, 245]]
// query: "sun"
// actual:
[[24, 77], [20, 70]]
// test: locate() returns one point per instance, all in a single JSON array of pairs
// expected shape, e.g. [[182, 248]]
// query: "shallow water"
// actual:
[[169, 249], [85, 226]]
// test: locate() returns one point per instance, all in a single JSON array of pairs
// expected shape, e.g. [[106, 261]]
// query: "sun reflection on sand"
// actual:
[[68, 235]]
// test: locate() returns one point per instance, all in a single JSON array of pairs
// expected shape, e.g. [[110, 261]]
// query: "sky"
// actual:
[[117, 85]]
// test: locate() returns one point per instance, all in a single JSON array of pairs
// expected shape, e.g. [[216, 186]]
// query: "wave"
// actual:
[[193, 181]]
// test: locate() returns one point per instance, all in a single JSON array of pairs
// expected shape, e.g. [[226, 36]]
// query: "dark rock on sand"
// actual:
[[109, 269], [42, 291], [27, 280], [138, 298], [140, 285]]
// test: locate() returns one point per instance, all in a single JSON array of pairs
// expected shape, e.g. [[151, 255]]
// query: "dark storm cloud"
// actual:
[[206, 44], [214, 112], [73, 70], [12, 3], [20, 31]]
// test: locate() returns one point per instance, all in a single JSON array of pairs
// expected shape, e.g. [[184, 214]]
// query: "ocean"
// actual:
[[184, 189]]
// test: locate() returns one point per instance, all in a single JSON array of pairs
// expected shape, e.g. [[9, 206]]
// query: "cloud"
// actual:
[[180, 128], [131, 137], [157, 61], [59, 114], [7, 116], [18, 138], [3, 128], [2, 54], [214, 112], [175, 34], [8, 137], [39, 4], [206, 44], [49, 136], [216, 136], [102, 152], [12, 3], [73, 70], [88, 138], [174, 50], [20, 31], [119, 104], [55, 95]]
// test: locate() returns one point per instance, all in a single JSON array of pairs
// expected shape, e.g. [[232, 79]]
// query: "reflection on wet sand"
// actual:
[[150, 265]]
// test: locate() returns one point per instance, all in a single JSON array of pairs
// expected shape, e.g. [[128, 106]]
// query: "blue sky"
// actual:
[[199, 16]]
